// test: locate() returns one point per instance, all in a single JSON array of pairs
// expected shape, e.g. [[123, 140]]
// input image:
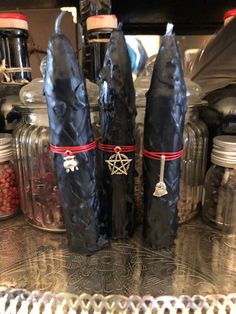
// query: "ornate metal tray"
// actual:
[[126, 278], [22, 302]]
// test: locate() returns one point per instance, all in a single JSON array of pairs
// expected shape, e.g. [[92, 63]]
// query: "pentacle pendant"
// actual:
[[118, 163]]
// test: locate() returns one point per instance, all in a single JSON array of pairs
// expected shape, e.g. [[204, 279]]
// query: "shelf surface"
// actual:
[[202, 262]]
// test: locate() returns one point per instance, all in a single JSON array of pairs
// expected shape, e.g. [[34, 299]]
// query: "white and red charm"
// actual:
[[70, 162]]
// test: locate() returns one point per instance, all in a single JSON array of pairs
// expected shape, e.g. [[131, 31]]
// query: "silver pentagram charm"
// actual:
[[118, 163], [70, 162]]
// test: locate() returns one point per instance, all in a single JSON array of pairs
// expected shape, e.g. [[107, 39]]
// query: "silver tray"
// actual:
[[23, 302], [203, 262]]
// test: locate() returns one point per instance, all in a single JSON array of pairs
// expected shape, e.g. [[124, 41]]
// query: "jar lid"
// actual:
[[13, 20], [6, 150], [224, 151], [5, 138], [32, 93], [194, 94], [101, 21]]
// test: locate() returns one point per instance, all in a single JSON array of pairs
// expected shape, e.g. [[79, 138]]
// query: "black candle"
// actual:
[[70, 127], [117, 110], [163, 133]]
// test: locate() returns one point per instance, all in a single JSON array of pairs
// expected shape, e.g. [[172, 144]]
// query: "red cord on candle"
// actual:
[[70, 150], [116, 148], [168, 155]]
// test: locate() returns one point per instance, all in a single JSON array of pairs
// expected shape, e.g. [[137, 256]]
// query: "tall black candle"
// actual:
[[70, 127], [163, 133], [117, 111]]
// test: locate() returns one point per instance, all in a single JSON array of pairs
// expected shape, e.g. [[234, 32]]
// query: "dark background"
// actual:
[[149, 16], [200, 17]]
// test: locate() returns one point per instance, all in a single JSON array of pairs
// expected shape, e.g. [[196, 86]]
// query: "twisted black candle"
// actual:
[[163, 132], [117, 100], [70, 125]]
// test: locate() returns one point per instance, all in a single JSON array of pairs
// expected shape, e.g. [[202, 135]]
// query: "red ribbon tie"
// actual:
[[116, 148], [71, 150], [168, 155]]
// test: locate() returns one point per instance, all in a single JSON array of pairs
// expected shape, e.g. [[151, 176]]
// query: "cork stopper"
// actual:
[[13, 20], [101, 21]]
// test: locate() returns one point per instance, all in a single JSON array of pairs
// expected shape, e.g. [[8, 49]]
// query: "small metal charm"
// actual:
[[160, 188], [118, 163], [70, 163]]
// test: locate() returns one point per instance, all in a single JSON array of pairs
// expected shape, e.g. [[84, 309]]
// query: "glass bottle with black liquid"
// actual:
[[15, 67]]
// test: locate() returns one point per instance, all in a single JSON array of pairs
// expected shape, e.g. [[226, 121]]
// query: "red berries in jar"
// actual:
[[9, 198]]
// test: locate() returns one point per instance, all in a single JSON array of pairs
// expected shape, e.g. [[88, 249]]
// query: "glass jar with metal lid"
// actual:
[[219, 204]]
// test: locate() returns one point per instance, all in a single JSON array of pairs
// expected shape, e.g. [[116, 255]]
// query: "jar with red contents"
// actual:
[[9, 200]]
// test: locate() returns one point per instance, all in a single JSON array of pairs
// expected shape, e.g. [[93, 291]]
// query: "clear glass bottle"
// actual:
[[99, 28], [97, 24], [15, 65], [9, 197], [13, 41], [39, 193], [219, 203]]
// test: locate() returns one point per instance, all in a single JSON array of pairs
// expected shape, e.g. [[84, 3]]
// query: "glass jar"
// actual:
[[219, 203], [39, 194], [9, 198], [40, 199], [193, 164], [17, 153]]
